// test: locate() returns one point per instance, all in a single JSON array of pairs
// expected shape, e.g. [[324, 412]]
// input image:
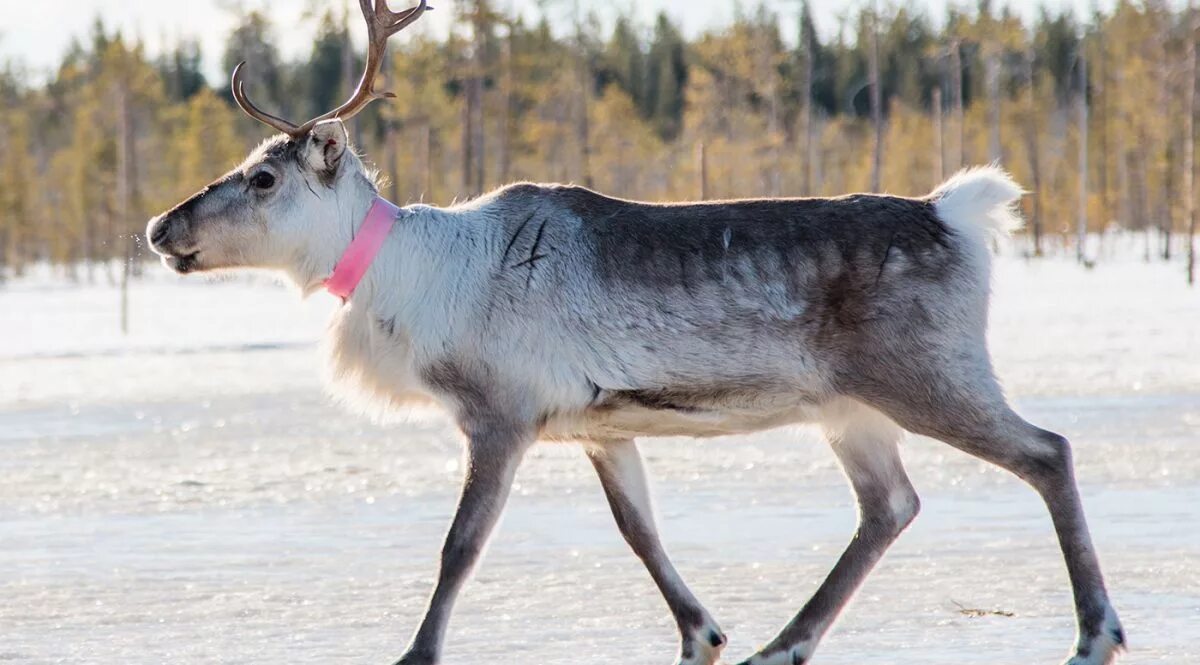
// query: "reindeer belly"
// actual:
[[621, 416]]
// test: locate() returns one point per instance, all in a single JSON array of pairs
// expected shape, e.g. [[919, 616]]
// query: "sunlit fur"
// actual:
[[552, 312]]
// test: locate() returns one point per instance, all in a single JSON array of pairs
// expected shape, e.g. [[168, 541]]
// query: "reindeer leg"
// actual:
[[865, 443], [619, 466], [492, 459], [974, 417]]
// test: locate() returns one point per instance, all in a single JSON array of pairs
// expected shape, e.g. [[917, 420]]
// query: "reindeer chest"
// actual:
[[369, 361]]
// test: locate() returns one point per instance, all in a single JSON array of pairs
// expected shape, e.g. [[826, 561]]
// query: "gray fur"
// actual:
[[492, 457], [553, 312], [866, 446], [619, 466]]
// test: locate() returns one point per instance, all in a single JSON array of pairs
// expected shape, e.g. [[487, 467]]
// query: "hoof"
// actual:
[[417, 659], [1104, 647], [795, 655], [702, 646]]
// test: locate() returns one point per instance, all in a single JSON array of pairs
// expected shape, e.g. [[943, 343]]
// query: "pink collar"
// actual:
[[358, 256]]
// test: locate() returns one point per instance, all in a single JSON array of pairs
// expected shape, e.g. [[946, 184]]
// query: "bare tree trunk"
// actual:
[[1189, 141], [815, 169], [1101, 104], [347, 73], [1121, 161], [956, 98], [8, 221], [1168, 216], [393, 164], [765, 64], [876, 106], [993, 87], [1082, 110], [478, 137], [1033, 147], [425, 142], [89, 248], [582, 122], [806, 120], [1140, 195], [125, 176], [939, 148], [583, 126], [1166, 208], [472, 112], [506, 110], [468, 133], [390, 141]]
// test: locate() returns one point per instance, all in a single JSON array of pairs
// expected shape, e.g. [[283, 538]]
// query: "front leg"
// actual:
[[492, 456], [624, 481]]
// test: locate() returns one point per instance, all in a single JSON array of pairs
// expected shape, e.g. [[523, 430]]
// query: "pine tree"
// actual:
[[181, 71], [251, 41], [498, 98], [325, 77], [666, 78], [625, 61]]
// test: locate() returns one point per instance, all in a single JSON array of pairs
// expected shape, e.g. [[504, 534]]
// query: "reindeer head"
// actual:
[[281, 206]]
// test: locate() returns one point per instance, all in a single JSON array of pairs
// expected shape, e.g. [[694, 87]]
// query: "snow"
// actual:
[[187, 491]]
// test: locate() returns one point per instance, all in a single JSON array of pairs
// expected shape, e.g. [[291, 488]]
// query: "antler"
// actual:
[[381, 24]]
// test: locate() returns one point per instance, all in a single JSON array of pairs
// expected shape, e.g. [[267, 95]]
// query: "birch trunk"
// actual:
[[1189, 141], [956, 98], [125, 176], [993, 86], [939, 148], [1082, 166], [806, 76], [876, 110], [1033, 147]]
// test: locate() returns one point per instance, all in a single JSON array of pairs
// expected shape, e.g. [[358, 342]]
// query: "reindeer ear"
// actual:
[[325, 145]]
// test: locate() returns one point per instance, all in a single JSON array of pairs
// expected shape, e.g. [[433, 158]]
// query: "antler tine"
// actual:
[[387, 17], [381, 24], [236, 85], [401, 20]]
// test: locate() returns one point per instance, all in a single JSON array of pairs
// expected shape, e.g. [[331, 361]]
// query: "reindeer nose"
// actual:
[[158, 232]]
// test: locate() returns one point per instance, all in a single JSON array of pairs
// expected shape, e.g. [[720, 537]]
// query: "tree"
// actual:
[[1189, 138], [498, 98], [181, 71], [251, 42], [1082, 165], [327, 81], [17, 194], [666, 79], [807, 56], [876, 106], [625, 62]]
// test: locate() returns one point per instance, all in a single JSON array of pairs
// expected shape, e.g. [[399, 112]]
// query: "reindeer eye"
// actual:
[[262, 180]]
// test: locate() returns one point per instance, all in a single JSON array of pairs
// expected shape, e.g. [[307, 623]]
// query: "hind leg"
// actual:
[[866, 444], [968, 411]]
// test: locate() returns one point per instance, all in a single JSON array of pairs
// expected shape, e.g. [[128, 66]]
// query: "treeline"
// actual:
[[1092, 114]]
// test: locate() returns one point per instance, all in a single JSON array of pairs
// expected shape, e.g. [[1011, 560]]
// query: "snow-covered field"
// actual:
[[187, 493]]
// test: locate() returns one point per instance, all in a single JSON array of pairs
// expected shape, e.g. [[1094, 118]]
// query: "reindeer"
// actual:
[[551, 312]]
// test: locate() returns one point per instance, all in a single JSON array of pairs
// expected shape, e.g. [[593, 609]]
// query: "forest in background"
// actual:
[[1094, 115]]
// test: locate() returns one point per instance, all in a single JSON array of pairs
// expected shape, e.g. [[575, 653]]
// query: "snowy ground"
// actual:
[[187, 493]]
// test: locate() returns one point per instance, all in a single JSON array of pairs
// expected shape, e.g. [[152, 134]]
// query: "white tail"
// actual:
[[979, 197]]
